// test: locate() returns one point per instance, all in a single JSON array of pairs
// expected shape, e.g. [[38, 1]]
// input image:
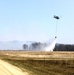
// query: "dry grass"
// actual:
[[41, 63], [36, 55]]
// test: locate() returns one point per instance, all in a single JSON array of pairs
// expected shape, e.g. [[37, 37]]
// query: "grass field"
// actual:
[[41, 63]]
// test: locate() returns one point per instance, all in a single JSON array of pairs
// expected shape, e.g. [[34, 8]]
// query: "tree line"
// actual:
[[64, 47], [39, 46], [34, 46]]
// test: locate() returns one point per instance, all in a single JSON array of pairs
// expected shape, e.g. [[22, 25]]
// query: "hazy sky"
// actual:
[[32, 20]]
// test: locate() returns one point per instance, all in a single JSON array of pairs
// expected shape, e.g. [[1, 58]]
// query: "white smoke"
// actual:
[[51, 46], [46, 46]]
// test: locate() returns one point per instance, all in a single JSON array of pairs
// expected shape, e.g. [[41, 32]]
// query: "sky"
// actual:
[[32, 20]]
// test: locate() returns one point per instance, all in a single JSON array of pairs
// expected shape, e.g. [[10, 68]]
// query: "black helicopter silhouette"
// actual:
[[56, 17]]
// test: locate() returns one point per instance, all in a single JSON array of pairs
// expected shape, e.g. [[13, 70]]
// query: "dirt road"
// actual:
[[8, 69]]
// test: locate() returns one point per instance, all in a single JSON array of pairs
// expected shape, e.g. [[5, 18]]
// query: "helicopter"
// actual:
[[56, 17]]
